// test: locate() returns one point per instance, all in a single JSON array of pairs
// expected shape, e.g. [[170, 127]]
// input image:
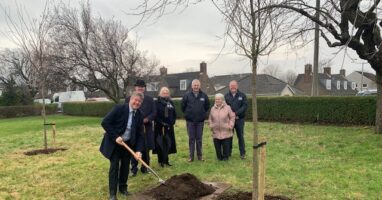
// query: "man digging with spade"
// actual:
[[124, 124]]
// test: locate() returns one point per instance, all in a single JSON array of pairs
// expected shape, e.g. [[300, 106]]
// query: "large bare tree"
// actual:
[[97, 53], [346, 24], [253, 33]]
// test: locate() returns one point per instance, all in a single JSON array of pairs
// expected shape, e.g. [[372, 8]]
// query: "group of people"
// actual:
[[144, 123]]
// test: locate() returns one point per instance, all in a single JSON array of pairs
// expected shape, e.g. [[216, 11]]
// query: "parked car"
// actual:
[[372, 92], [68, 96]]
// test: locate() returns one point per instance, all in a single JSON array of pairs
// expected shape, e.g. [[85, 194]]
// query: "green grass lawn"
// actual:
[[303, 161]]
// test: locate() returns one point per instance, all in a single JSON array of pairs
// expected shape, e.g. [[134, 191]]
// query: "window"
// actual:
[[49, 91], [353, 84], [183, 84], [338, 85], [364, 85], [152, 86], [345, 85], [328, 84], [85, 89]]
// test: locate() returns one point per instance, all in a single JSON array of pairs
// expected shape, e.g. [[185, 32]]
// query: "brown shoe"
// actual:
[[200, 159], [190, 160]]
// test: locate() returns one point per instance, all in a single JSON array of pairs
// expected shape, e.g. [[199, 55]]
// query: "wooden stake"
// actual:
[[54, 132], [262, 172]]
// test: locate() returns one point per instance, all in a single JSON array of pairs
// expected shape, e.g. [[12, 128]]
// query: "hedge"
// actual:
[[23, 111], [330, 110]]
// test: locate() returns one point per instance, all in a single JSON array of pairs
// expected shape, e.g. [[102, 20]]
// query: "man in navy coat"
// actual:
[[123, 124], [239, 104], [195, 105]]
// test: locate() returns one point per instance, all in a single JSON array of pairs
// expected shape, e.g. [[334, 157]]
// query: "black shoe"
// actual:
[[161, 164], [242, 157], [113, 197], [124, 192], [168, 164], [133, 174]]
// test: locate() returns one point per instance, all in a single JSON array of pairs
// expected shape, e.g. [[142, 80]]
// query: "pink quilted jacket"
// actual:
[[221, 121]]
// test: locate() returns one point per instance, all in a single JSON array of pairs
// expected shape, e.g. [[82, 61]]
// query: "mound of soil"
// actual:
[[181, 187], [43, 151], [246, 196]]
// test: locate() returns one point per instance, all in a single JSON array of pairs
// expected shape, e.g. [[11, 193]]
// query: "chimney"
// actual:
[[343, 72], [308, 72], [203, 68], [327, 70], [163, 71]]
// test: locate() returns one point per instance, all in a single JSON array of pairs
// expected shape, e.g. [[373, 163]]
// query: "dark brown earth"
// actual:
[[246, 196], [43, 151], [181, 187]]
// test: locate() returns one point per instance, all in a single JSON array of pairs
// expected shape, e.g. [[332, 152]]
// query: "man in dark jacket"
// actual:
[[123, 124], [149, 113], [238, 102], [195, 105]]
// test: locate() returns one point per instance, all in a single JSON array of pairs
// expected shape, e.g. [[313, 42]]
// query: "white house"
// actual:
[[363, 80]]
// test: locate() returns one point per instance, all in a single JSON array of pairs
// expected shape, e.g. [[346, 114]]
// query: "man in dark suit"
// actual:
[[123, 124], [149, 113]]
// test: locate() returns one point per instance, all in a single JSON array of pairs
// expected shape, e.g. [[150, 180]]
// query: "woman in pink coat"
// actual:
[[221, 122]]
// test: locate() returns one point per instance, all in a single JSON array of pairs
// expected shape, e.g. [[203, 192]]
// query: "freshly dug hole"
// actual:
[[246, 196]]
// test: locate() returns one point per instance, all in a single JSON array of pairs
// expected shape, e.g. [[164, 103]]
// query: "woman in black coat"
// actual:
[[164, 127]]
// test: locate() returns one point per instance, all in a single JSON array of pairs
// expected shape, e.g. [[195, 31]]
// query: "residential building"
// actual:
[[266, 85], [179, 83], [363, 80], [329, 84]]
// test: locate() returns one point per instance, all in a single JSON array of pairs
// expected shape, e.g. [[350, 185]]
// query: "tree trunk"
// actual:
[[256, 152], [378, 115]]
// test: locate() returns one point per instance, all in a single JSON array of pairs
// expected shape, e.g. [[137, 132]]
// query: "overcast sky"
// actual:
[[182, 40]]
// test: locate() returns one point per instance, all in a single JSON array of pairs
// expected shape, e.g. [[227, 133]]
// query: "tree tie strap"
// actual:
[[259, 145]]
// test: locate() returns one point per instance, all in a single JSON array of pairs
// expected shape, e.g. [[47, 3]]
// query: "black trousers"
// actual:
[[239, 128], [119, 169], [195, 138], [222, 147], [162, 153]]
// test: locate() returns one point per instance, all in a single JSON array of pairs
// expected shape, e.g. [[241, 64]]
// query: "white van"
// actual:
[[68, 96]]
